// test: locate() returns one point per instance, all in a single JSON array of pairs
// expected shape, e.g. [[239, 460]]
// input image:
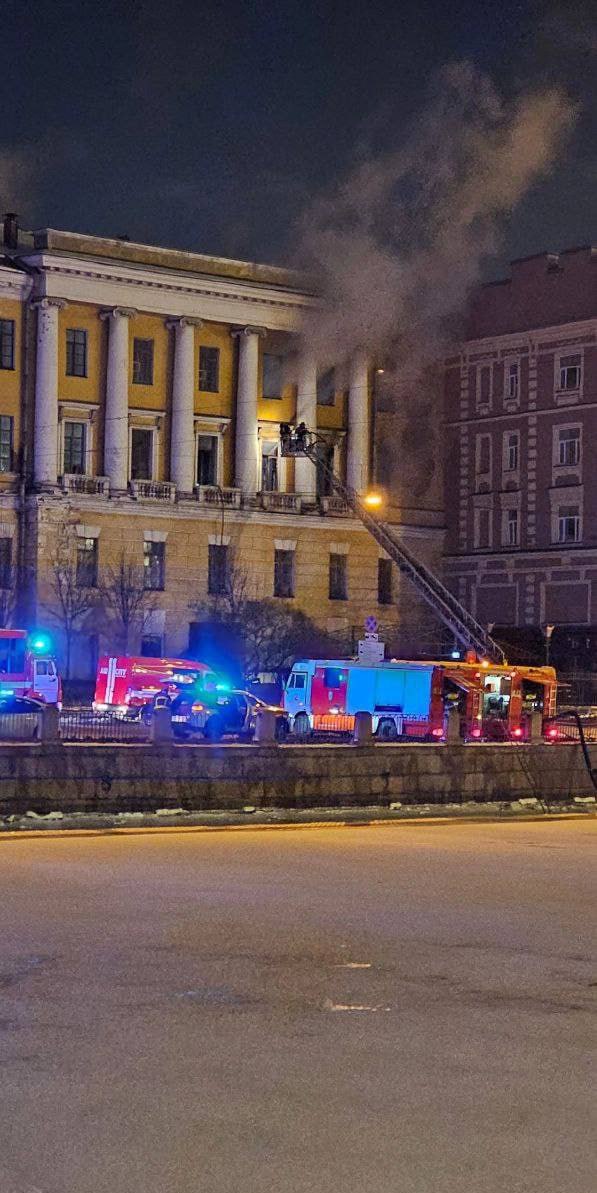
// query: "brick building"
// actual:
[[141, 394], [520, 477]]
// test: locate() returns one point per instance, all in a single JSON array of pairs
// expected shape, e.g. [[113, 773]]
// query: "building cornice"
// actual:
[[531, 339], [185, 510], [14, 283], [169, 293]]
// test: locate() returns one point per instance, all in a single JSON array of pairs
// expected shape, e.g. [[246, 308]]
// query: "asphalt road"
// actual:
[[403, 1009]]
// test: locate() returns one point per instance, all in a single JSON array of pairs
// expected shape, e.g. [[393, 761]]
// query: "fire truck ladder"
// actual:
[[301, 442]]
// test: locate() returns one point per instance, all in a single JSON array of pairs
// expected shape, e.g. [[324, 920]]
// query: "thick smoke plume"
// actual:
[[398, 245]]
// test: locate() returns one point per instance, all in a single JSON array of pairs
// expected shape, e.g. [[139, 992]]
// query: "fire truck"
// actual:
[[28, 667], [411, 700], [125, 684]]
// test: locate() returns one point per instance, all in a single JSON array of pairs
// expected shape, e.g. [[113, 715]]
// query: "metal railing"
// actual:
[[21, 726], [153, 490], [80, 725]]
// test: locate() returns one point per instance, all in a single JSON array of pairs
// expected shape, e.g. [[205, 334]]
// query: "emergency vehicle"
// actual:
[[28, 668], [411, 700], [126, 685]]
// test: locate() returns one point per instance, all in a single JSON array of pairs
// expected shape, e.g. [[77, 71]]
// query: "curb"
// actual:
[[292, 826]]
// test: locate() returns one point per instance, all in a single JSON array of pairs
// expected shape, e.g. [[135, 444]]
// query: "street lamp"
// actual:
[[373, 500]]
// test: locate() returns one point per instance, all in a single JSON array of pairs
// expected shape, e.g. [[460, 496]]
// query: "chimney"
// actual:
[[11, 230]]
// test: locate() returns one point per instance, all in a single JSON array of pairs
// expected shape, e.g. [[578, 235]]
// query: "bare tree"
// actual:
[[72, 603], [268, 634], [8, 597], [126, 600]]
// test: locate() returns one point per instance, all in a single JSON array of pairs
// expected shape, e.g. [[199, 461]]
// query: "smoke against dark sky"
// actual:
[[400, 241], [211, 126]]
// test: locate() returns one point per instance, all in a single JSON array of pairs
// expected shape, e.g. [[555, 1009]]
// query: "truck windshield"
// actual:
[[12, 656]]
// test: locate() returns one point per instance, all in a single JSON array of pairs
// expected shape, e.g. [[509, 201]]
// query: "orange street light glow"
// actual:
[[373, 500]]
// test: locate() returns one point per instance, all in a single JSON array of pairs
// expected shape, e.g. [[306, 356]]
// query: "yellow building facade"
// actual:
[[141, 396]]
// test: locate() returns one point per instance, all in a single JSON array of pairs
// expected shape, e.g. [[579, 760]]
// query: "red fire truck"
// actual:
[[410, 700], [125, 684], [27, 666]]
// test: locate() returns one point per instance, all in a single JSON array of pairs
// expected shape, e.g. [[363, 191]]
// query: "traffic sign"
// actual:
[[371, 624]]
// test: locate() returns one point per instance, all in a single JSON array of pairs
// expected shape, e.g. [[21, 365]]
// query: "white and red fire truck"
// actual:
[[28, 668], [125, 684], [410, 700]]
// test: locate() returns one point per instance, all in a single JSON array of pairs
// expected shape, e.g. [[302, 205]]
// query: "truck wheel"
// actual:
[[302, 728], [214, 729], [387, 730]]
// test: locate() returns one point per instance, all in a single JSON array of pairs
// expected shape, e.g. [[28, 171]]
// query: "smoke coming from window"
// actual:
[[400, 241]]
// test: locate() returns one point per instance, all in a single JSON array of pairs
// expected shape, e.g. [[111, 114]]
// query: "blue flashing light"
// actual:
[[222, 687], [455, 654], [40, 643]]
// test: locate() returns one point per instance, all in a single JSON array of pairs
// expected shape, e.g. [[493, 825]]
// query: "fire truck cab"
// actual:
[[28, 668]]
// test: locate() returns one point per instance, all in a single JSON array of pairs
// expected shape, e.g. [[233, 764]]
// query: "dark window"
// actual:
[[299, 679], [141, 454], [76, 352], [74, 447], [269, 467], [325, 461], [483, 528], [217, 569], [151, 646], [209, 370], [284, 574], [7, 343], [569, 446], [384, 581], [207, 460], [142, 362], [338, 578], [484, 384], [483, 454], [154, 566], [6, 453], [272, 375], [569, 524], [570, 371], [87, 562], [6, 563], [326, 388]]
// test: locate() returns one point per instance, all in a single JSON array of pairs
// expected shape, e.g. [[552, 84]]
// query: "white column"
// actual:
[[45, 455], [357, 468], [305, 476], [247, 441], [182, 433], [116, 430]]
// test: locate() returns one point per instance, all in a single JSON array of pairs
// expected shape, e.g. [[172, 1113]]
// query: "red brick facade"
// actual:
[[521, 439]]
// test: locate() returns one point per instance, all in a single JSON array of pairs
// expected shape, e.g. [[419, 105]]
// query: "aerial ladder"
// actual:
[[299, 441]]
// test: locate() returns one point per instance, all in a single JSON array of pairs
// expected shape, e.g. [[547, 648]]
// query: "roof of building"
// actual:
[[80, 244]]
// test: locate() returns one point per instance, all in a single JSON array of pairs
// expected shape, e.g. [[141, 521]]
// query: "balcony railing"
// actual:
[[285, 503], [73, 482], [335, 505], [153, 490], [215, 495]]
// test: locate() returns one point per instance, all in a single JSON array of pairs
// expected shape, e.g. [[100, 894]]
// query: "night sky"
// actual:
[[210, 125]]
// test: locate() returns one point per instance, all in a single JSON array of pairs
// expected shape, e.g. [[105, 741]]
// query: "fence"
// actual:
[[80, 725]]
